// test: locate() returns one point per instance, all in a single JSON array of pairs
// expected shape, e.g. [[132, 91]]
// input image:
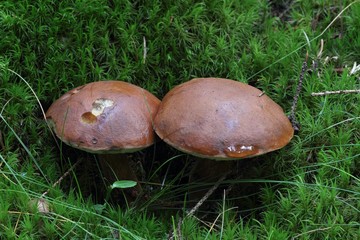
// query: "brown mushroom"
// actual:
[[221, 119], [106, 117]]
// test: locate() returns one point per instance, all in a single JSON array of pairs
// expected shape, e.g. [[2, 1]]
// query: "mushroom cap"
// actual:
[[221, 119], [105, 116]]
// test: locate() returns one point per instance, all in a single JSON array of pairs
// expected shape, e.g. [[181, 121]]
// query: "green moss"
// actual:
[[308, 190]]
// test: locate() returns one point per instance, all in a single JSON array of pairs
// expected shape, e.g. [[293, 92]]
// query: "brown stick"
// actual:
[[61, 178], [207, 195], [296, 96], [2, 145], [200, 202]]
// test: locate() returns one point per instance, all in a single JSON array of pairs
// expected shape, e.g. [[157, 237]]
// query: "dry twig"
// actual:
[[2, 144], [335, 92], [296, 96], [61, 178], [40, 203], [207, 195], [201, 201]]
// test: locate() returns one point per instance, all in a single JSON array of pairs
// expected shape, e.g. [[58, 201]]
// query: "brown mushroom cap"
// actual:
[[106, 116], [221, 119]]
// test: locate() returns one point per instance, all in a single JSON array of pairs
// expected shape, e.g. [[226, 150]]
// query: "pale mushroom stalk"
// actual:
[[117, 167]]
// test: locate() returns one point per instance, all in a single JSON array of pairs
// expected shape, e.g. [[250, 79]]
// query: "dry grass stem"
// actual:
[[335, 92]]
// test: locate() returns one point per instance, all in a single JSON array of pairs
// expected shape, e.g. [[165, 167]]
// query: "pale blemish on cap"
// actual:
[[98, 108], [100, 104]]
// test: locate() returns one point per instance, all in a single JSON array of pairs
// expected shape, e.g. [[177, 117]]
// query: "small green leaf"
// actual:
[[123, 184]]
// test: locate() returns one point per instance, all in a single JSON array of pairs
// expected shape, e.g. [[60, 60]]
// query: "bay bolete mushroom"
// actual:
[[221, 119], [106, 117]]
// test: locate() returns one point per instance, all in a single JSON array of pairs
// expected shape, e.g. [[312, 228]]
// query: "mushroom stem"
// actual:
[[117, 167], [208, 171]]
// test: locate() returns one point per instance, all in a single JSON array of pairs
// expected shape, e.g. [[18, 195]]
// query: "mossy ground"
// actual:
[[308, 190]]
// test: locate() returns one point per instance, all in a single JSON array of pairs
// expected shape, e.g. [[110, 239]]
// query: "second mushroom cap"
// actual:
[[221, 119]]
